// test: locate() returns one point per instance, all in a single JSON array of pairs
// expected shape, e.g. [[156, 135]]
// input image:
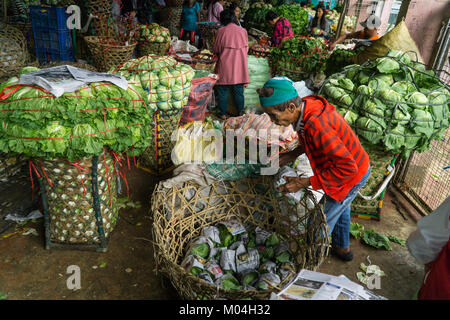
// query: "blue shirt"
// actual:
[[189, 20]]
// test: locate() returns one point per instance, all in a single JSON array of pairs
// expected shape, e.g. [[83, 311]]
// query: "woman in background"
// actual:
[[237, 13], [189, 18], [231, 48], [319, 25], [214, 10]]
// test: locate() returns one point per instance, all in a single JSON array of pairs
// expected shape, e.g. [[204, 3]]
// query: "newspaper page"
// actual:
[[310, 285], [60, 79]]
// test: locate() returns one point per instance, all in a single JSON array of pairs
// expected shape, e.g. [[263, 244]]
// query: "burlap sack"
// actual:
[[396, 39]]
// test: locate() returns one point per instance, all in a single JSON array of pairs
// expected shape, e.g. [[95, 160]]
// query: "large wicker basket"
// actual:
[[106, 54], [182, 212], [99, 6], [13, 50], [79, 201], [157, 159], [159, 48]]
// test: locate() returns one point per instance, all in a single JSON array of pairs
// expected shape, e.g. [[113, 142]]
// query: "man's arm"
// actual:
[[344, 37]]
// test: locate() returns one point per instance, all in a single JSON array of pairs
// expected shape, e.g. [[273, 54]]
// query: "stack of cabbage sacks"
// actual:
[[235, 258], [75, 125], [259, 73], [393, 102], [166, 81]]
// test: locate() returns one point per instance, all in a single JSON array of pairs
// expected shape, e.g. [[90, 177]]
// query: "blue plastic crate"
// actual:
[[53, 17], [53, 40], [46, 55]]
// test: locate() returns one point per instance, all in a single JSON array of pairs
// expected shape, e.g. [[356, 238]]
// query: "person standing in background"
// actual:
[[189, 18], [231, 48], [237, 13], [214, 10]]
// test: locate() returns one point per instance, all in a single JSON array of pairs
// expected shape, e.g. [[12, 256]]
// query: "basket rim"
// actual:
[[94, 40]]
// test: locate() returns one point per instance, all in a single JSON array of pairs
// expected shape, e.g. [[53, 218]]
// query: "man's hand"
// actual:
[[332, 46], [294, 184]]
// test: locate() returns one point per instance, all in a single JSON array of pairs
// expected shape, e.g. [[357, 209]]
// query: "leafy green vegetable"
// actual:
[[272, 240], [230, 283], [201, 250], [283, 257], [196, 271], [387, 65], [356, 229], [397, 240], [374, 239], [225, 235], [249, 278]]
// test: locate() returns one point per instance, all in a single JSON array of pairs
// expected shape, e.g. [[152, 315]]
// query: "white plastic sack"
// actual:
[[182, 46], [302, 90]]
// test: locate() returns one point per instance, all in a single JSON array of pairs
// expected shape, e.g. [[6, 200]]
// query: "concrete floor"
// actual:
[[28, 271]]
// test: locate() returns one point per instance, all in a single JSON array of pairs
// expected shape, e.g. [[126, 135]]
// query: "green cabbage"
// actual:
[[394, 139], [418, 100], [369, 129], [387, 65]]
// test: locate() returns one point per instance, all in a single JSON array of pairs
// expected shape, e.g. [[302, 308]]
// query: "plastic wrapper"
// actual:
[[228, 260], [234, 226], [213, 267]]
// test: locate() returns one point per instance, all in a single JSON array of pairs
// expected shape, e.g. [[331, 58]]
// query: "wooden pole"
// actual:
[[342, 18], [403, 11]]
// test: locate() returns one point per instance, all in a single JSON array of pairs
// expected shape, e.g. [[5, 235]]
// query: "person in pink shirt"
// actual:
[[214, 10], [231, 48]]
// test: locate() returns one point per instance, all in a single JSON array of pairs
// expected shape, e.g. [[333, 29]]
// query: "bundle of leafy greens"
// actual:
[[299, 57], [392, 102], [167, 82], [297, 16], [75, 125], [255, 17]]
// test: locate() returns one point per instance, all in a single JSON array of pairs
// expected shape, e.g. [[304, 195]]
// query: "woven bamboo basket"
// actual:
[[104, 25], [259, 51], [13, 50], [70, 63], [197, 63], [99, 6], [159, 48], [156, 159], [106, 54], [174, 21], [182, 212], [79, 201]]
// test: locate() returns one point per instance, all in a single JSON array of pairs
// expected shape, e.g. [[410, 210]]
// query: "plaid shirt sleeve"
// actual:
[[282, 30]]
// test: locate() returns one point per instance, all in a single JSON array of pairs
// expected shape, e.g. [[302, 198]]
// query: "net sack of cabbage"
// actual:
[[166, 81], [75, 125], [393, 102]]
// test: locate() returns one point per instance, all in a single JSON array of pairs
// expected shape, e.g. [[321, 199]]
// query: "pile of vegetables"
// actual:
[[255, 17], [299, 57], [339, 59], [75, 125], [167, 82], [228, 256], [393, 102], [153, 33], [297, 16]]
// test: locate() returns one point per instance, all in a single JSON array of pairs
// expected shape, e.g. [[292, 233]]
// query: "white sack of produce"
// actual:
[[258, 70], [196, 143]]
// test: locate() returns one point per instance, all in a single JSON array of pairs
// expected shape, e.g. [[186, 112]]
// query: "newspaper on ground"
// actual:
[[61, 79], [310, 285]]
